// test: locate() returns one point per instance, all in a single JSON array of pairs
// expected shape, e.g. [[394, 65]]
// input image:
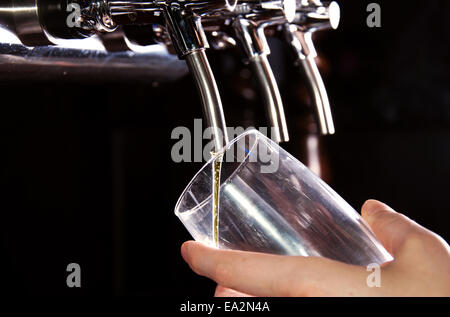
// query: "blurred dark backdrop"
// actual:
[[86, 174]]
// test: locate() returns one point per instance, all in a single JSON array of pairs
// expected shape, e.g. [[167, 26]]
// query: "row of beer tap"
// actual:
[[188, 28]]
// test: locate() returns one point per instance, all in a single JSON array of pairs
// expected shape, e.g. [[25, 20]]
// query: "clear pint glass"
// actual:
[[268, 201]]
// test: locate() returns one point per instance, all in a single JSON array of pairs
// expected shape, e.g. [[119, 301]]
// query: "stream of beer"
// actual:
[[217, 166]]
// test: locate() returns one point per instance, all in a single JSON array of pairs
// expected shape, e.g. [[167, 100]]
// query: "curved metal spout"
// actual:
[[272, 98], [313, 16], [253, 41], [305, 53], [212, 104]]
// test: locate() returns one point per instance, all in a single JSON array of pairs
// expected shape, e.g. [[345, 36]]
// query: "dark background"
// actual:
[[86, 174]]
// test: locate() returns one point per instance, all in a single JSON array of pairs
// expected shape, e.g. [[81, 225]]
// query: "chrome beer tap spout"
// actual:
[[183, 20], [312, 16], [249, 26], [248, 22], [39, 22]]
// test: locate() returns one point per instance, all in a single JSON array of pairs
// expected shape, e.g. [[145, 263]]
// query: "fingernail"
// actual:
[[372, 206]]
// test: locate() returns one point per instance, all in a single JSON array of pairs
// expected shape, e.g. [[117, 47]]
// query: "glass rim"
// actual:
[[208, 163]]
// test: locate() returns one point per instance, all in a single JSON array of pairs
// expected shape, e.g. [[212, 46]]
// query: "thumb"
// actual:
[[228, 292], [390, 227]]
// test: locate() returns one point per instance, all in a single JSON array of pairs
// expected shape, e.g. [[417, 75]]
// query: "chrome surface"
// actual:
[[185, 31], [95, 16], [183, 21], [220, 40], [212, 104], [272, 98], [200, 7], [22, 17], [18, 62], [172, 26], [182, 18], [248, 21], [249, 28], [313, 16]]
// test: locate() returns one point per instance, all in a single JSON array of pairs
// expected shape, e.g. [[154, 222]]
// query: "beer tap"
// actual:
[[38, 22], [312, 16], [183, 22], [248, 22]]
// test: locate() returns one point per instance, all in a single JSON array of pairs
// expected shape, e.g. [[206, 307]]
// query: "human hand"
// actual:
[[421, 265]]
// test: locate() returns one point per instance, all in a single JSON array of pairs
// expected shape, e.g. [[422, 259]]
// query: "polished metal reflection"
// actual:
[[182, 18], [306, 54], [18, 62], [95, 16], [312, 16], [212, 104], [272, 97], [220, 40], [248, 22], [22, 17], [183, 21]]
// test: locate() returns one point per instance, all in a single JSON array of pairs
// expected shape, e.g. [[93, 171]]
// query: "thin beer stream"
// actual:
[[217, 167]]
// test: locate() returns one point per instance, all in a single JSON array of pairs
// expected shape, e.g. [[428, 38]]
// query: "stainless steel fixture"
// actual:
[[248, 22], [252, 17], [182, 27], [183, 22], [38, 22], [311, 16]]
